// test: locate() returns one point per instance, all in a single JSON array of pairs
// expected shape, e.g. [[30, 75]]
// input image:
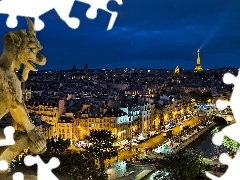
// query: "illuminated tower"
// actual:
[[198, 67], [177, 70]]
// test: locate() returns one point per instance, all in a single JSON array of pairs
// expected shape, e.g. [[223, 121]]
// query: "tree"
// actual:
[[57, 145], [74, 165], [182, 165], [101, 146], [77, 165], [201, 97]]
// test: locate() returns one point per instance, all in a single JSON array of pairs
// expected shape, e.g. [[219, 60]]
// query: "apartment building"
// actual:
[[123, 123], [49, 113]]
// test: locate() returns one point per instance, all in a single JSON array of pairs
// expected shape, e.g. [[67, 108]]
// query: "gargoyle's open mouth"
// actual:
[[32, 64]]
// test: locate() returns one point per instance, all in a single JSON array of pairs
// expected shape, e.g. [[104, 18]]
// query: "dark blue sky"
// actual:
[[147, 34]]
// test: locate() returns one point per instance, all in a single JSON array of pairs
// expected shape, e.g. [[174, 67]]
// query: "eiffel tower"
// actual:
[[198, 67]]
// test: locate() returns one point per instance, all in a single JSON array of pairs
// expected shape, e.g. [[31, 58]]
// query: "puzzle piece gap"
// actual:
[[18, 176], [62, 7], [8, 133], [3, 165], [230, 131], [44, 169]]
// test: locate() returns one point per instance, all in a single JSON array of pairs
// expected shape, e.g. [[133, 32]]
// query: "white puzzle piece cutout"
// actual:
[[231, 131], [36, 8], [43, 170], [101, 4], [8, 132]]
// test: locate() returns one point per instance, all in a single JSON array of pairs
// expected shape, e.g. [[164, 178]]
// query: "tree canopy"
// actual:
[[77, 165], [182, 165], [101, 145], [57, 145], [74, 165], [201, 97]]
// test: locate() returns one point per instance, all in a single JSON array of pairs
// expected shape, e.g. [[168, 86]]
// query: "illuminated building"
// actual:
[[123, 122], [50, 113], [198, 67], [177, 70], [66, 127]]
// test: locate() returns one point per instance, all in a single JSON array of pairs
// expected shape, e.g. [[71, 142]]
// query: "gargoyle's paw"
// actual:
[[73, 23], [229, 78], [38, 147], [37, 141], [38, 24], [12, 22], [35, 151], [224, 158], [221, 105], [218, 139], [35, 135]]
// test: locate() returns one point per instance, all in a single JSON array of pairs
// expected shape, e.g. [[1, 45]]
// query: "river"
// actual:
[[205, 145]]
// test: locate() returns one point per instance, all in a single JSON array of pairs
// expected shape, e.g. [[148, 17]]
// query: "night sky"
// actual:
[[154, 34]]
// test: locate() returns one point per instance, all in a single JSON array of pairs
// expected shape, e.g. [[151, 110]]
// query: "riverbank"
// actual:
[[175, 146], [179, 142], [195, 135]]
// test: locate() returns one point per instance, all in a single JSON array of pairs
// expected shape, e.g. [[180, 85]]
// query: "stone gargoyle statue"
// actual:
[[20, 47]]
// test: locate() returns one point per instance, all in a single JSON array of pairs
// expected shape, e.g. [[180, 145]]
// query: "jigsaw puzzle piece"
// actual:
[[229, 78], [114, 14], [211, 176], [44, 170], [54, 162], [8, 133], [224, 158], [18, 176], [218, 139], [221, 105], [63, 8], [229, 131], [12, 21], [113, 5], [102, 5], [5, 8], [35, 9], [3, 165], [24, 8]]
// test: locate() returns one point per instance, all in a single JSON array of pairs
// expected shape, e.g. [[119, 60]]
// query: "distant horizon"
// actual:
[[102, 69]]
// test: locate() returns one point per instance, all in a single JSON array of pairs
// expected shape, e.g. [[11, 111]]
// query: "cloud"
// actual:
[[153, 33]]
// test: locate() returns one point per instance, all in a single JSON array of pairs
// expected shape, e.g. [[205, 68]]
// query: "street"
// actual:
[[153, 142]]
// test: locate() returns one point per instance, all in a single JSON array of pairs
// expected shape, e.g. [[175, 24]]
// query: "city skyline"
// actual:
[[153, 35]]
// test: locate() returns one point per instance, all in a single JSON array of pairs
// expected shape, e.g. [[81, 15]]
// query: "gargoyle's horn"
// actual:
[[30, 26]]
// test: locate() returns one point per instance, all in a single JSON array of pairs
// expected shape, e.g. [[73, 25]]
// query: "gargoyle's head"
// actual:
[[23, 47]]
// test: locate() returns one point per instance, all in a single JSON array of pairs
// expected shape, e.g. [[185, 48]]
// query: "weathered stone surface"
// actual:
[[20, 47]]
